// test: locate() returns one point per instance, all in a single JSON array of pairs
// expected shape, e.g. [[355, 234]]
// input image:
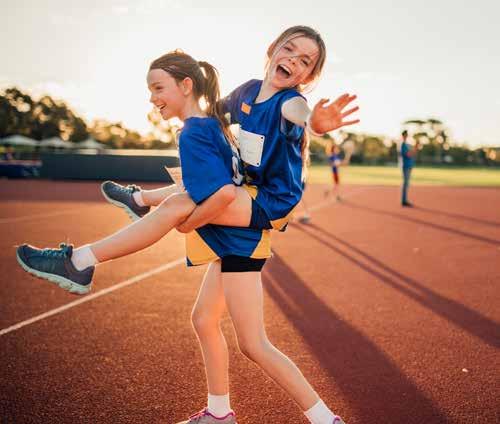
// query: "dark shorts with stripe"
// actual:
[[233, 263]]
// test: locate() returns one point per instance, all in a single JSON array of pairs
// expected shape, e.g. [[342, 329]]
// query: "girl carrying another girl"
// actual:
[[176, 88]]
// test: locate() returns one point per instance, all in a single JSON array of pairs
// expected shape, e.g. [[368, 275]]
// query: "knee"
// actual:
[[253, 350], [203, 322], [179, 204]]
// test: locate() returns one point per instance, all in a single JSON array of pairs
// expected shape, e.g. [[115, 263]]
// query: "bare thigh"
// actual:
[[244, 299], [210, 304], [239, 211]]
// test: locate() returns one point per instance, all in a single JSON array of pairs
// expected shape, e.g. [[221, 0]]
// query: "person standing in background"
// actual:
[[408, 154]]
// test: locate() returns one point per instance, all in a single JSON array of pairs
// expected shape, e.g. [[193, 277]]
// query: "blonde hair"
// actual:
[[284, 37]]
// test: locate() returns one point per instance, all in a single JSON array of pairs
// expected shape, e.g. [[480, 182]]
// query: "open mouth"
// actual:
[[283, 71]]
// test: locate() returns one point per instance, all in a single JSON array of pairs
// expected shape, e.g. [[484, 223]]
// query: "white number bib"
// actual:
[[251, 146]]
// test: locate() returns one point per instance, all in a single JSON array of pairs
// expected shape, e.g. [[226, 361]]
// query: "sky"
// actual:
[[404, 59]]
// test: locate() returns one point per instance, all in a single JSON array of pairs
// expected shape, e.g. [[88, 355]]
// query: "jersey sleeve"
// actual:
[[203, 169], [291, 131], [232, 102]]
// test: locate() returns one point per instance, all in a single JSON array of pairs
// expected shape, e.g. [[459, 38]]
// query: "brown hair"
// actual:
[[205, 83], [287, 35]]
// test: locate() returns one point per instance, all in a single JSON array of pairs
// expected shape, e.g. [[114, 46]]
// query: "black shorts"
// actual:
[[259, 219], [233, 263]]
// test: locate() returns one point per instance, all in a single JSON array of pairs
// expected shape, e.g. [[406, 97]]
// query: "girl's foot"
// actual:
[[205, 417], [337, 420], [55, 265], [122, 196]]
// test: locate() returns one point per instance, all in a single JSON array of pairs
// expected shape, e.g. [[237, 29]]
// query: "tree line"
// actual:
[[48, 117]]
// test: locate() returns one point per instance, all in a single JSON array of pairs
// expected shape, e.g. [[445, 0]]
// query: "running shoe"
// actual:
[[122, 196], [55, 265], [205, 417]]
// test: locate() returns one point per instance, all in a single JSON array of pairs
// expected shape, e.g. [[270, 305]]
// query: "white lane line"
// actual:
[[135, 279], [100, 293]]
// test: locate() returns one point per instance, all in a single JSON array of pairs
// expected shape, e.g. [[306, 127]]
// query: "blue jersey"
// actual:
[[208, 163], [334, 160], [270, 147], [407, 160]]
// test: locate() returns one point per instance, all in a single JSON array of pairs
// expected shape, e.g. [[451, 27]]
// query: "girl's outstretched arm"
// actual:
[[323, 118]]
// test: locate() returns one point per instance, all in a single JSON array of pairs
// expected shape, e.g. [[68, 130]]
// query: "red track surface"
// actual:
[[392, 314]]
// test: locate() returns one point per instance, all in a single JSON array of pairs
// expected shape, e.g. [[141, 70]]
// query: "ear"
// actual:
[[186, 86]]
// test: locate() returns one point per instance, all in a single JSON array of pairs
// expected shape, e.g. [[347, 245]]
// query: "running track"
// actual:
[[392, 314]]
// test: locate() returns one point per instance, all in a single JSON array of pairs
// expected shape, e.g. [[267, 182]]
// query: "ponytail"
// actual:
[[211, 93], [305, 154]]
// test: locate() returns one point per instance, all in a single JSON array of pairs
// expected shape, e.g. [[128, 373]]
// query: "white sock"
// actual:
[[320, 414], [83, 257], [219, 405], [137, 195]]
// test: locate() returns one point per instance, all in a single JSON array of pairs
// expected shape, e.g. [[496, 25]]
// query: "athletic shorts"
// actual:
[[233, 263], [259, 220]]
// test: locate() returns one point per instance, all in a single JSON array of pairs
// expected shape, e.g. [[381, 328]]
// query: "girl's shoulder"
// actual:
[[250, 84], [200, 128], [291, 93], [196, 123], [247, 91]]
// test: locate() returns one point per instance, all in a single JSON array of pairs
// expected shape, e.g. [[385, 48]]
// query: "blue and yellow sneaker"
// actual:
[[122, 196], [55, 265]]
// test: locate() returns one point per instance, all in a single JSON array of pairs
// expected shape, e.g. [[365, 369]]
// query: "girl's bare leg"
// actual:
[[206, 316], [239, 211], [171, 211], [158, 195], [146, 231], [244, 299]]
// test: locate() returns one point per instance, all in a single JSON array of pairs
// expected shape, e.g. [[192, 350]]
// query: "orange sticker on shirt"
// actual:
[[245, 108]]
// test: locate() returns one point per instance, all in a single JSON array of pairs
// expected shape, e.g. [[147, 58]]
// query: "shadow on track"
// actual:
[[422, 222], [467, 319], [370, 382]]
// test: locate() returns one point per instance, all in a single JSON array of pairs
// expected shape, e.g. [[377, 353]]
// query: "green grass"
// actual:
[[391, 175]]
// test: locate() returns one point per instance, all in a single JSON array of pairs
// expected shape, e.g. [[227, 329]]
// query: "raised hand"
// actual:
[[328, 118]]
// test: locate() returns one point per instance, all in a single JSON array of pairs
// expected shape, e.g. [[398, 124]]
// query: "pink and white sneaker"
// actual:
[[337, 420], [205, 417]]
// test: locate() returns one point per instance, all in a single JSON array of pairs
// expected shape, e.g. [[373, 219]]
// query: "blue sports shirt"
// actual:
[[334, 159], [208, 163], [408, 161], [274, 180]]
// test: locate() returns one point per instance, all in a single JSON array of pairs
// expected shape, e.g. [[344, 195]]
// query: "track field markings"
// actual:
[[125, 283], [88, 298]]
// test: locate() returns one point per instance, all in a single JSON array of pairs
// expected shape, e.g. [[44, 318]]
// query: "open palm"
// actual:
[[330, 117]]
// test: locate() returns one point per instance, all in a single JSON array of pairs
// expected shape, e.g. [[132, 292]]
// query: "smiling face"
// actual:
[[292, 63], [166, 94]]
